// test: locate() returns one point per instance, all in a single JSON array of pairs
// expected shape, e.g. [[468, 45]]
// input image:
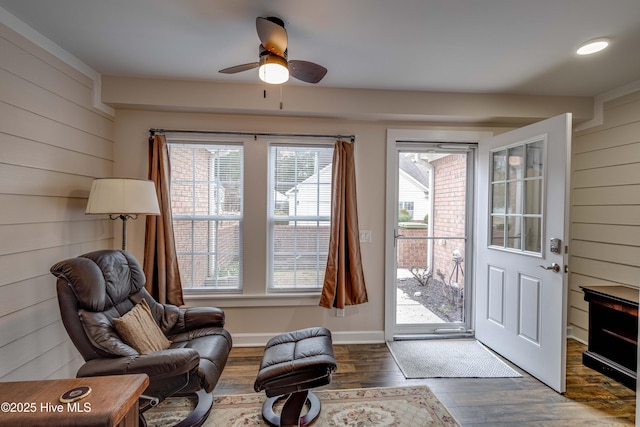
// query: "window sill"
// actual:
[[256, 300]]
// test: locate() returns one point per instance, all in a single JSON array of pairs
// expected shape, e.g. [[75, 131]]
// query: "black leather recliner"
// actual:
[[99, 286]]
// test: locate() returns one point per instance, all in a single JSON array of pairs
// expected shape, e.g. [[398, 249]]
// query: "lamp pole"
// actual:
[[124, 219]]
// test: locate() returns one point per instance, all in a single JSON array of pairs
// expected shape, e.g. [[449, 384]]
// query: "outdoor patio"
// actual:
[[409, 311]]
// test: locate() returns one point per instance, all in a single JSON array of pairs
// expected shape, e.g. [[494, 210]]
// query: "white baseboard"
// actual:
[[347, 337], [577, 339], [339, 337], [570, 335]]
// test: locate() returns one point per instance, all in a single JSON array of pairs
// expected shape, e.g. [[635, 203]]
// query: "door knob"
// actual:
[[555, 267]]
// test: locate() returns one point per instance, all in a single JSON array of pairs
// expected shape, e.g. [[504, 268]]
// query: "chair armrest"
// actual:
[[200, 317], [160, 364]]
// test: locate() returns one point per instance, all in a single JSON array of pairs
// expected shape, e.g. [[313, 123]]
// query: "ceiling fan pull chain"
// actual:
[[281, 97]]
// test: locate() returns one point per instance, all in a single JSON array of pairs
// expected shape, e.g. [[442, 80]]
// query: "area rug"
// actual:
[[448, 358], [370, 407]]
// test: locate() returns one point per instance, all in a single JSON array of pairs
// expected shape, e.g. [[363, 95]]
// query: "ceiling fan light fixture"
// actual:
[[593, 46], [273, 69]]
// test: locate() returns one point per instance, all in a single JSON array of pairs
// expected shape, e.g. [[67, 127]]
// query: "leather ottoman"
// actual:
[[292, 364]]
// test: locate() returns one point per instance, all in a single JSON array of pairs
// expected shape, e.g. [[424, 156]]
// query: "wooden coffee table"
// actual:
[[113, 401]]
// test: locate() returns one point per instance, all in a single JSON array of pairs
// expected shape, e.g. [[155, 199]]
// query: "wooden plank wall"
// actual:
[[53, 142], [605, 199]]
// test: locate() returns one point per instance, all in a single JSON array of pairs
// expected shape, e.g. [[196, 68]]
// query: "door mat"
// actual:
[[448, 358]]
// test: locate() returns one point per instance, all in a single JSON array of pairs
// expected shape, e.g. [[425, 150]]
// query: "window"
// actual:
[[216, 205], [207, 208], [516, 201], [299, 215], [406, 206]]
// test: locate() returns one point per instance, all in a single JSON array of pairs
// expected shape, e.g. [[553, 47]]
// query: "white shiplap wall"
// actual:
[[53, 142], [605, 218]]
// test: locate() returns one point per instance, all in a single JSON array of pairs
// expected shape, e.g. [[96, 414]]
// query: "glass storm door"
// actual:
[[431, 238]]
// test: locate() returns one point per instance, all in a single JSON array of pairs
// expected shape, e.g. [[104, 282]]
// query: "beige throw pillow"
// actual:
[[139, 329]]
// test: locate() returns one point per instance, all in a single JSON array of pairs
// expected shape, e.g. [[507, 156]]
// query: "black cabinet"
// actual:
[[613, 332]]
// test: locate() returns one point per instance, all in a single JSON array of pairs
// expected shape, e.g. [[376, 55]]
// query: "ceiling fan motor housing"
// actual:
[[262, 51]]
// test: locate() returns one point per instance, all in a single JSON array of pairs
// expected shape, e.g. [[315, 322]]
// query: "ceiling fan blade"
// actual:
[[272, 34], [307, 71], [239, 68]]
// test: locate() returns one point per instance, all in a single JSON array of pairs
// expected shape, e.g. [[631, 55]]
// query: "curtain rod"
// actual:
[[153, 131]]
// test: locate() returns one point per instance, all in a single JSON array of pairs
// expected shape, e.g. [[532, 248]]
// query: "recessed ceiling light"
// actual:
[[592, 46]]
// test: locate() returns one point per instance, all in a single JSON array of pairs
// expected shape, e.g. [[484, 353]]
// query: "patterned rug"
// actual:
[[448, 358], [392, 407]]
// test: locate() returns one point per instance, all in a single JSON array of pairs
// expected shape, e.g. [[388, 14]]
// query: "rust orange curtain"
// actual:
[[160, 259], [343, 278]]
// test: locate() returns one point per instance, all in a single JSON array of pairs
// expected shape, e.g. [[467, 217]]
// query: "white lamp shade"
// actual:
[[123, 196]]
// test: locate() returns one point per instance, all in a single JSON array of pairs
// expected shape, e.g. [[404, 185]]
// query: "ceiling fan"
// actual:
[[273, 66]]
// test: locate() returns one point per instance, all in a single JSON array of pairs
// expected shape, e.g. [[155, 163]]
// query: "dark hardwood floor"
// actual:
[[592, 399]]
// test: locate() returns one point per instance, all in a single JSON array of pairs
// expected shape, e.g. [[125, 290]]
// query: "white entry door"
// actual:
[[522, 229]]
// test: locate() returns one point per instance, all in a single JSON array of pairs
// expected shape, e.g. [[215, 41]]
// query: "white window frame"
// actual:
[[272, 287], [255, 246], [215, 217]]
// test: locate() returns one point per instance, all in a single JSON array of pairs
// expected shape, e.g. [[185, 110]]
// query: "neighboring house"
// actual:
[[413, 187], [414, 194], [303, 198], [282, 202]]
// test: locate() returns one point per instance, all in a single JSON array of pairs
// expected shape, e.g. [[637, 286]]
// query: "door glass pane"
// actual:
[[514, 198], [499, 165], [498, 198], [534, 197], [516, 162], [497, 231], [534, 159], [514, 232], [533, 233]]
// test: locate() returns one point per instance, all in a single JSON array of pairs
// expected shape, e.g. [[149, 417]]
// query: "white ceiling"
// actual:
[[483, 46]]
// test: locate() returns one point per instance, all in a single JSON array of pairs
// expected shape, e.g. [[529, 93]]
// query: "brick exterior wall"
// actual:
[[449, 198], [412, 253]]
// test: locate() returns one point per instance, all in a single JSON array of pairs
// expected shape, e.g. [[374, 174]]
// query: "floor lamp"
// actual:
[[123, 198]]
